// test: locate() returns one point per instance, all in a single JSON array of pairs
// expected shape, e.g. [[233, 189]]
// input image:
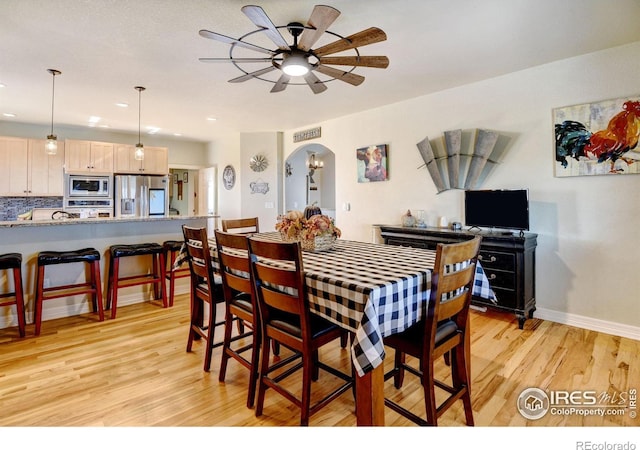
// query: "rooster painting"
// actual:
[[610, 146]]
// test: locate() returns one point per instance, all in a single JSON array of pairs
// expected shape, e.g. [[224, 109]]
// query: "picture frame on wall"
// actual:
[[185, 177], [373, 163], [598, 138], [175, 178]]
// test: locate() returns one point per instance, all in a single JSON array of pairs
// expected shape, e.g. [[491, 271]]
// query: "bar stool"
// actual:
[[91, 257], [171, 251], [156, 277], [13, 262]]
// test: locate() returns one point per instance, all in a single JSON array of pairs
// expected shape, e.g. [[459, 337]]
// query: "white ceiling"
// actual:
[[106, 47]]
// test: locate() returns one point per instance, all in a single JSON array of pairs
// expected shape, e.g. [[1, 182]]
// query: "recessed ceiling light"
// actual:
[[104, 126], [8, 114], [211, 119], [152, 130], [177, 134], [94, 119], [122, 104], [2, 85]]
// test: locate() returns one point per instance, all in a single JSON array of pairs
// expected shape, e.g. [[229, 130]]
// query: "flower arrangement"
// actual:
[[318, 232]]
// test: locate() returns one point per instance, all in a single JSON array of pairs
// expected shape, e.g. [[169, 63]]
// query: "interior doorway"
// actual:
[[310, 179]]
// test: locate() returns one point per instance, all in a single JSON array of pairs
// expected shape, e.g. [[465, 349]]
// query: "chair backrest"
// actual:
[[200, 263], [451, 286], [233, 259], [244, 226], [278, 279]]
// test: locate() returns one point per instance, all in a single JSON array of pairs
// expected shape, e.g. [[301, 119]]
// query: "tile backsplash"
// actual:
[[10, 207]]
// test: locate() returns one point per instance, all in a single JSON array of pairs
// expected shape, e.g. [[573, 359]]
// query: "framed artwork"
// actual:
[[597, 138], [185, 177], [373, 163]]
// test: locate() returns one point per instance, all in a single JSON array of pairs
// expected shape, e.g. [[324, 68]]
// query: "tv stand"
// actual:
[[507, 259]]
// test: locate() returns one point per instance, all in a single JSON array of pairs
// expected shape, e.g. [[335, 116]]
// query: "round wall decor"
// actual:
[[229, 177], [258, 163]]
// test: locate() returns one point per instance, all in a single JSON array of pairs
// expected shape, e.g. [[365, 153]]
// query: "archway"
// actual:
[[304, 185]]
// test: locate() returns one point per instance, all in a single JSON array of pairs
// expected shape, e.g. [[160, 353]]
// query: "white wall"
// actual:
[[588, 239]]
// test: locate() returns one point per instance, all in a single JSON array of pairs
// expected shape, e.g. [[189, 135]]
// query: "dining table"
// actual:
[[372, 290]]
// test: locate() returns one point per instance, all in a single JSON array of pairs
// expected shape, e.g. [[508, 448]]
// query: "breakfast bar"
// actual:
[[31, 237]]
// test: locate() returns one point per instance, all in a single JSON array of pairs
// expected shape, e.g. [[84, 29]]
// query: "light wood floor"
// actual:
[[134, 371]]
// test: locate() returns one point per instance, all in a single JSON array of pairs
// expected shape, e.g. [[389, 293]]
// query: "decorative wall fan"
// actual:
[[299, 59]]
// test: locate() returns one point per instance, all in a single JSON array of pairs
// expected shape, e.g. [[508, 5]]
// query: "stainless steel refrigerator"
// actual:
[[141, 195]]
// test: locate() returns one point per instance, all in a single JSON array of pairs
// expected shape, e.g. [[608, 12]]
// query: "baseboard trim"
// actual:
[[589, 323]]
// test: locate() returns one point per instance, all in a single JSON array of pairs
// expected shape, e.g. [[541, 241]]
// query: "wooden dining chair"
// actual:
[[443, 330], [206, 291], [244, 226], [240, 305], [281, 292]]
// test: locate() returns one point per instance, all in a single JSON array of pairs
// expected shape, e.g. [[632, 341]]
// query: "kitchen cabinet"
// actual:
[[155, 162], [507, 259], [88, 156], [26, 170]]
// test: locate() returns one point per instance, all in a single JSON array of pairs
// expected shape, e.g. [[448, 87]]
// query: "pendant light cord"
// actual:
[[53, 97]]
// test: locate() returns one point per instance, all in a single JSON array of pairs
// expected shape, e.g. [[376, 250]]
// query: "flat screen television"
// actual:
[[507, 209]]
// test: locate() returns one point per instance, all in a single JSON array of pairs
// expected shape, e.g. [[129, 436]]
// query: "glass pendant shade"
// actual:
[[139, 153], [51, 147]]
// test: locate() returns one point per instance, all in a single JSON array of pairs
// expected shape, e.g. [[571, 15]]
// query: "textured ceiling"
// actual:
[[105, 48]]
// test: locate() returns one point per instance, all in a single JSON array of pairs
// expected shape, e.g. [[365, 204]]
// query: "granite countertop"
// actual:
[[105, 220]]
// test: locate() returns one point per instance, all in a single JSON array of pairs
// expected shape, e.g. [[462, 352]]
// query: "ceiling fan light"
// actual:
[[51, 147], [295, 65]]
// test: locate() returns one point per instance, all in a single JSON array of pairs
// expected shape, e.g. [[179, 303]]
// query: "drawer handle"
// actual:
[[491, 259], [492, 276]]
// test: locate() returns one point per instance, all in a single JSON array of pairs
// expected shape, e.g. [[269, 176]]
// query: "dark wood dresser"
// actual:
[[508, 259]]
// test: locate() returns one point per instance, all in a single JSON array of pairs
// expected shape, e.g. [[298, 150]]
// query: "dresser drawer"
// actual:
[[497, 260], [500, 278]]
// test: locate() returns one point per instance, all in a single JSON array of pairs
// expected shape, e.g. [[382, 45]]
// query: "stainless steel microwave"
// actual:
[[88, 186]]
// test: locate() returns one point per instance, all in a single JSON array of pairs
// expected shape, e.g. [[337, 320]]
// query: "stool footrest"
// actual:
[[68, 290], [136, 280]]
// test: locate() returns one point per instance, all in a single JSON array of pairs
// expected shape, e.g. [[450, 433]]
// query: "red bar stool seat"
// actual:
[[91, 257], [13, 262], [171, 251], [156, 277]]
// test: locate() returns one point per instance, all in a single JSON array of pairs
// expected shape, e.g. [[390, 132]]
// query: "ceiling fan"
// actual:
[[299, 59]]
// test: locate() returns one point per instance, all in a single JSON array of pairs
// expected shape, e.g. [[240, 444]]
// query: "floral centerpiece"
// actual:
[[317, 233]]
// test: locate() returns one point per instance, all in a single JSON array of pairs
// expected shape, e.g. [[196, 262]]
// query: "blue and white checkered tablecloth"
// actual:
[[373, 290]]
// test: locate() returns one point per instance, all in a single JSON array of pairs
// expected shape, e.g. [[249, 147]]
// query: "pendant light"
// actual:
[[139, 154], [51, 147]]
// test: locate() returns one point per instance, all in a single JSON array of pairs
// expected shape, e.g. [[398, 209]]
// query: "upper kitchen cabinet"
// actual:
[[26, 170], [155, 162], [88, 156]]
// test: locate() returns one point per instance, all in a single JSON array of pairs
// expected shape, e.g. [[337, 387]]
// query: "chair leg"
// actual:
[[460, 371], [196, 306], [309, 370], [37, 309], [264, 369], [17, 282], [253, 371], [398, 377], [429, 389], [96, 285], [113, 289], [210, 336], [226, 342]]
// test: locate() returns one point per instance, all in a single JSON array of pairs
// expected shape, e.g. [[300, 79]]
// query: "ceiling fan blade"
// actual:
[[314, 83], [251, 75], [281, 84], [240, 60], [378, 62], [257, 15], [229, 40], [360, 39], [338, 74], [321, 18]]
